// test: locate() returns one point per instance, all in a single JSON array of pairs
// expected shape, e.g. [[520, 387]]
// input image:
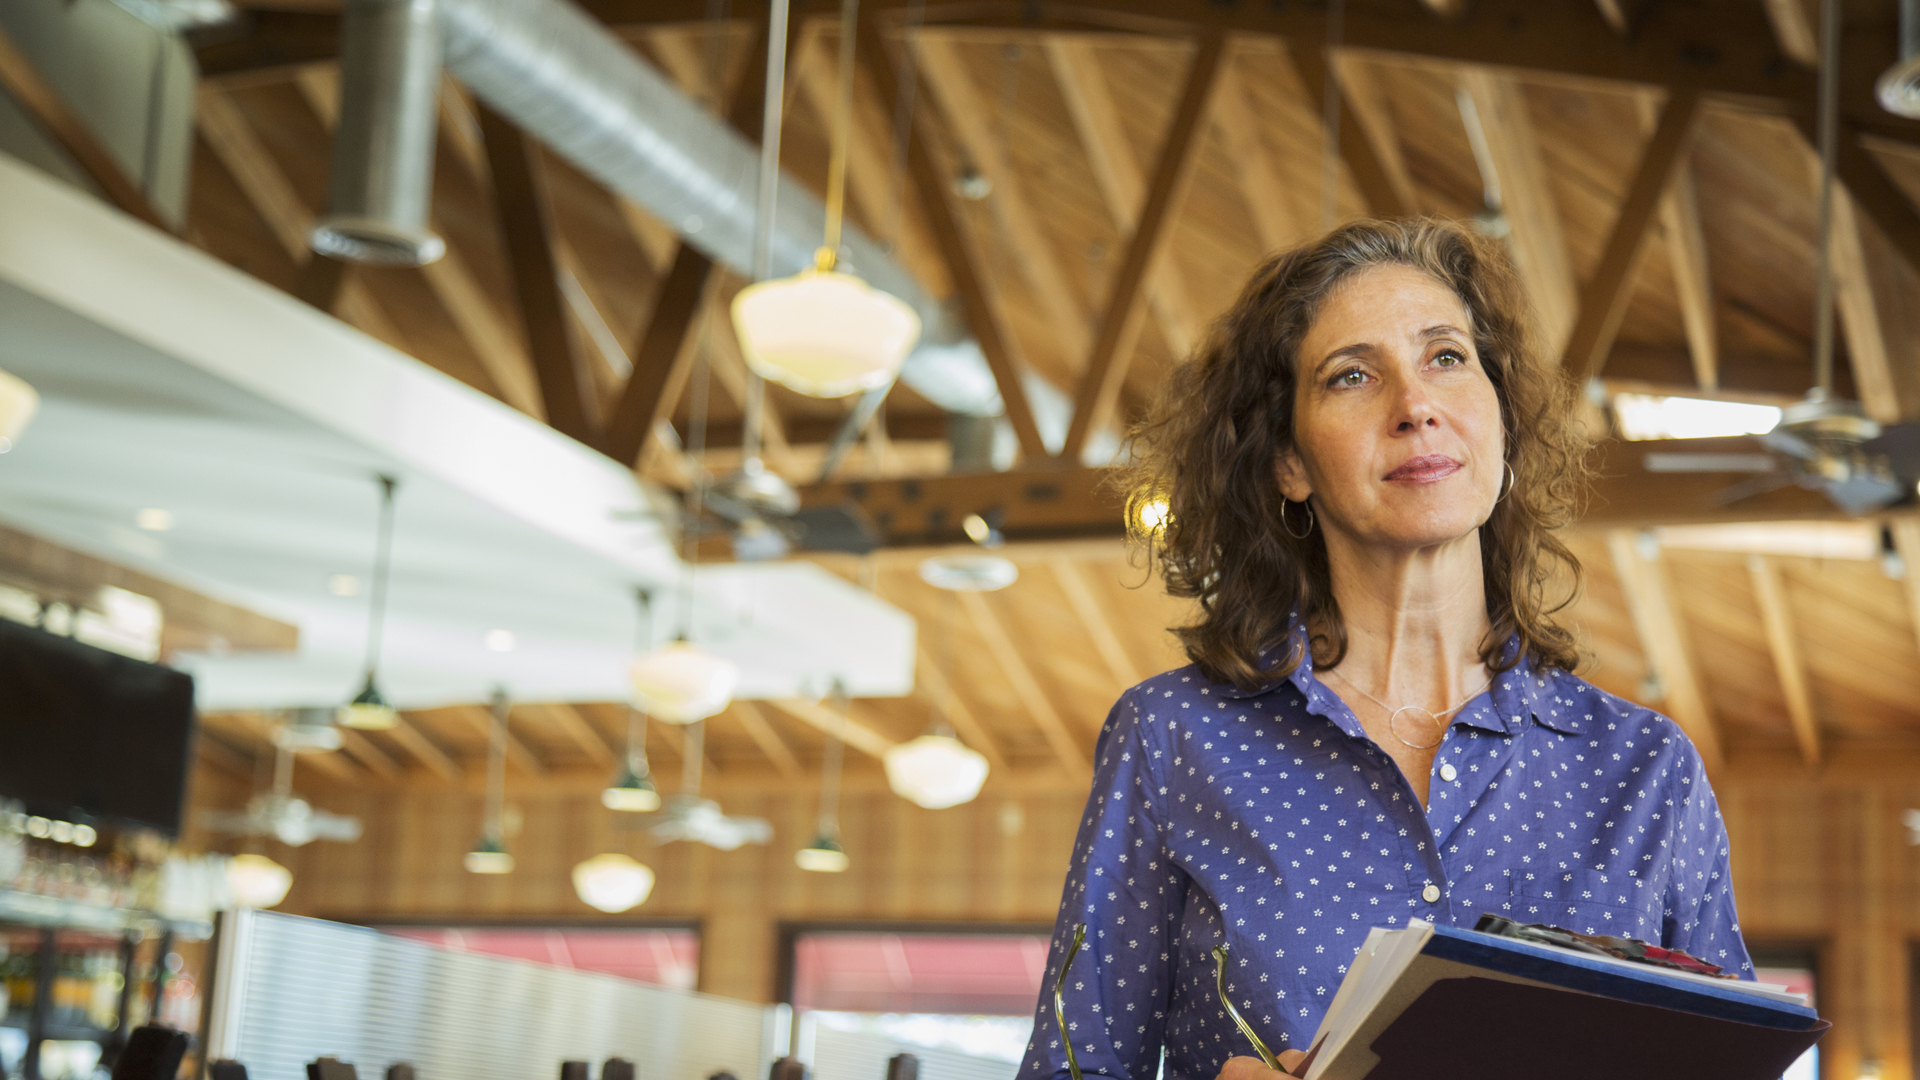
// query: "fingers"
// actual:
[[1290, 1060], [1246, 1068]]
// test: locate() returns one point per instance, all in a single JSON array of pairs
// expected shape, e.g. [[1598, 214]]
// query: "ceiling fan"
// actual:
[[280, 814], [688, 816], [1822, 442]]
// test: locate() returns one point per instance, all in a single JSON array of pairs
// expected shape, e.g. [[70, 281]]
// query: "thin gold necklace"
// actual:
[[1393, 714]]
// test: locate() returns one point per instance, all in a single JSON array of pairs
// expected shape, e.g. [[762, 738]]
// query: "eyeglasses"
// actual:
[[1219, 982], [1620, 948]]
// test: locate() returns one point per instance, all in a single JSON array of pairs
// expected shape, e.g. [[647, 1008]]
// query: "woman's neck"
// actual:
[[1415, 620]]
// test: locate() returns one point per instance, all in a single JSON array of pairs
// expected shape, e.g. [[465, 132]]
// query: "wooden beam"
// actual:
[[1538, 244], [1603, 302], [1777, 619], [969, 115], [662, 359], [1113, 348], [481, 717], [1906, 540], [1686, 244], [1026, 686], [1032, 504], [1860, 315], [846, 728], [1267, 196], [45, 107], [967, 725], [1096, 118], [320, 281], [334, 764], [1357, 150], [520, 200], [1098, 626], [1624, 16], [1796, 28], [1361, 93], [767, 739], [956, 248], [1643, 581], [424, 750], [1875, 193], [369, 755], [569, 720]]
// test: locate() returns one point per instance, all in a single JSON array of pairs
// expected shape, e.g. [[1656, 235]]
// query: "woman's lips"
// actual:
[[1426, 469]]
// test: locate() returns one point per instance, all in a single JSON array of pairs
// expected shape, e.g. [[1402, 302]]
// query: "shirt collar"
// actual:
[[1515, 695]]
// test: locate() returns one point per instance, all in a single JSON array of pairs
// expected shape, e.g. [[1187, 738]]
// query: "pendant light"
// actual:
[[632, 789], [825, 855], [937, 770], [489, 854], [18, 403], [369, 710], [822, 332], [257, 881], [612, 883]]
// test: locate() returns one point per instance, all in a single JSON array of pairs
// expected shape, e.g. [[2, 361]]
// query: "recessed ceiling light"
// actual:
[[154, 519], [500, 640]]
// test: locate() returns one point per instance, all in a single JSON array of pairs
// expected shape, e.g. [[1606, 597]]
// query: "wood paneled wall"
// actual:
[[1820, 862]]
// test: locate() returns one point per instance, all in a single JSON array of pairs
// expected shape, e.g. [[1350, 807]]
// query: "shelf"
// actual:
[[32, 909]]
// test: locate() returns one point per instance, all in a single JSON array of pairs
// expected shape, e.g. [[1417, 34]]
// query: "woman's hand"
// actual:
[[1252, 1068]]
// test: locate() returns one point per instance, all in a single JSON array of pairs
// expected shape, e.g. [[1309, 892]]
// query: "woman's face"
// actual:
[[1397, 432]]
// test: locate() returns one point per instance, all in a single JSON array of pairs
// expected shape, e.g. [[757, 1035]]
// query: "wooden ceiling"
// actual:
[[1140, 159]]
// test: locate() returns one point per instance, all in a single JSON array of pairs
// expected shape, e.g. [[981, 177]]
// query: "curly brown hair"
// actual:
[[1207, 455]]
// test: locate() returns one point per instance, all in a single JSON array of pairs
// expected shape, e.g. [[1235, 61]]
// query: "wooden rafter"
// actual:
[[71, 133], [1357, 149], [1096, 118], [662, 358], [424, 750], [1875, 193], [956, 249], [1686, 243], [1536, 239], [1643, 581], [761, 731], [520, 200], [828, 721], [481, 717], [1603, 302], [1258, 174], [1777, 619], [1113, 348], [366, 753], [935, 684], [584, 735], [1098, 626], [1013, 665], [1361, 93], [1624, 16], [1794, 27]]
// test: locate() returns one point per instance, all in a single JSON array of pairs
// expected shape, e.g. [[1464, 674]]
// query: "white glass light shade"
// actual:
[[612, 882], [683, 683], [369, 710], [632, 792], [257, 881], [489, 857], [18, 403], [823, 856], [935, 771], [969, 573], [824, 333]]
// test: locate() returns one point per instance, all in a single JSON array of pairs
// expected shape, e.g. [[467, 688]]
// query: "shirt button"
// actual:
[[1448, 772], [1430, 894]]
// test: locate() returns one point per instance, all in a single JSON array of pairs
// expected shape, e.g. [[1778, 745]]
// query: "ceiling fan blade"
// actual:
[[1900, 444], [1787, 442], [1748, 488], [1664, 462], [230, 821]]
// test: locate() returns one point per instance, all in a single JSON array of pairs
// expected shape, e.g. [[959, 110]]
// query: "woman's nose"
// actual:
[[1416, 409]]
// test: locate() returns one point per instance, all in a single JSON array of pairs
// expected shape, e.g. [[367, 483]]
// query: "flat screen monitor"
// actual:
[[87, 735]]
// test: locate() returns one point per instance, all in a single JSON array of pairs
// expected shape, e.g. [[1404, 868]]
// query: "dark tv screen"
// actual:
[[90, 735]]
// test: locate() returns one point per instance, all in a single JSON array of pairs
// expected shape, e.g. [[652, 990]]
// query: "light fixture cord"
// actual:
[[765, 209], [636, 716], [691, 759], [1330, 93], [497, 767], [282, 772], [829, 254], [830, 763], [903, 123], [382, 558], [1829, 123], [696, 493]]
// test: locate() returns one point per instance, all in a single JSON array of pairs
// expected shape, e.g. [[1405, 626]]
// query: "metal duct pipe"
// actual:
[[557, 73], [382, 185]]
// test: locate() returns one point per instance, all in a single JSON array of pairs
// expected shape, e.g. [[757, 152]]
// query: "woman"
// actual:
[[1364, 468]]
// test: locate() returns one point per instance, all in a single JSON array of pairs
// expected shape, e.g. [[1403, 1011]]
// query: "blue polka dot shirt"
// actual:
[[1268, 820]]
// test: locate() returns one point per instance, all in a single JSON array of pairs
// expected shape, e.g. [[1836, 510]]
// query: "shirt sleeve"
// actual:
[[1123, 886], [1700, 917]]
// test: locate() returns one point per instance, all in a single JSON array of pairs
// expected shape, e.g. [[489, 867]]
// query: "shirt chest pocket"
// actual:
[[1589, 902]]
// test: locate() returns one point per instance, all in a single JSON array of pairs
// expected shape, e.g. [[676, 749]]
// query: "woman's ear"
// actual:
[[1291, 476]]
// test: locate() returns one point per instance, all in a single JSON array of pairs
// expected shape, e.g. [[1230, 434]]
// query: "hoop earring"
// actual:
[[1512, 479], [1287, 528]]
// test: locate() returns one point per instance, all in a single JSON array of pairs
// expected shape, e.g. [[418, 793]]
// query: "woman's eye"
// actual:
[[1449, 358], [1350, 377]]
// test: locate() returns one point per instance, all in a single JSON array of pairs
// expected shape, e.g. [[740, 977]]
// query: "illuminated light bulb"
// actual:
[[18, 403], [369, 710], [257, 881], [683, 683], [823, 856], [1152, 515], [824, 333], [935, 771], [489, 856], [612, 882], [631, 792]]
